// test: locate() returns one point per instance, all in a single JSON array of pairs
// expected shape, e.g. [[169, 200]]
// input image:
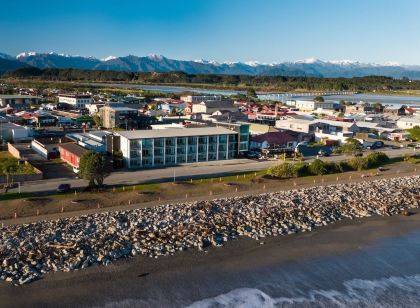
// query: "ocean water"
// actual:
[[387, 292], [386, 274]]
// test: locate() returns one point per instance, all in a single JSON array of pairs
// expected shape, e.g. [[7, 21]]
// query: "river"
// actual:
[[383, 99]]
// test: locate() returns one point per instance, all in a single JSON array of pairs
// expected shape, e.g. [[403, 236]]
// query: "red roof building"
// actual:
[[273, 140], [71, 153]]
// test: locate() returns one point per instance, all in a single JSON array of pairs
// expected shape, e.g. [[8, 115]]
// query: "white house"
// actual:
[[407, 123], [341, 137], [77, 100], [303, 105]]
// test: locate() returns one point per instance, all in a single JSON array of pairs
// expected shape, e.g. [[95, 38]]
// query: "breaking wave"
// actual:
[[386, 292]]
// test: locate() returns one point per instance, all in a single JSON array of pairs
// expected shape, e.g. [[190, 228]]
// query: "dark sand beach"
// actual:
[[191, 276]]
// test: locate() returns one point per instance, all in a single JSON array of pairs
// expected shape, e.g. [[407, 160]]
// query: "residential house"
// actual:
[[273, 140], [360, 108], [170, 106], [44, 119], [298, 125], [78, 101], [94, 108], [212, 106], [18, 102], [304, 105], [338, 126], [229, 116], [398, 111], [200, 98], [408, 122], [258, 129]]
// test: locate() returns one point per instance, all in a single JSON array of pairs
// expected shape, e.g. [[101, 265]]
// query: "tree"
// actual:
[[284, 170], [93, 167], [415, 133], [174, 112], [317, 167], [97, 119], [8, 166], [376, 159], [378, 107], [251, 93], [351, 147], [358, 163], [300, 169], [319, 99]]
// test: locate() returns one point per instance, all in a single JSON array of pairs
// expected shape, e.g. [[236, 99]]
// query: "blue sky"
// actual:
[[222, 30]]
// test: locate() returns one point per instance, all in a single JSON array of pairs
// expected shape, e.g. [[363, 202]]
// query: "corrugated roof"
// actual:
[[410, 120], [187, 132], [73, 148], [9, 96], [337, 123], [273, 138]]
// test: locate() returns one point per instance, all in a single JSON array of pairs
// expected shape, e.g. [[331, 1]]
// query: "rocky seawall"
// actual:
[[28, 251]]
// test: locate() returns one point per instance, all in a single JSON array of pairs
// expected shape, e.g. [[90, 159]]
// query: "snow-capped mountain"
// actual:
[[311, 67], [5, 56], [8, 63]]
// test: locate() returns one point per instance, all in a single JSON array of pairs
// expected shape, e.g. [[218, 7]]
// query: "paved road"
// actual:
[[188, 171]]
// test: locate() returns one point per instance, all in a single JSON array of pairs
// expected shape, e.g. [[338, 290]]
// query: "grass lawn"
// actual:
[[18, 168], [5, 154], [150, 194]]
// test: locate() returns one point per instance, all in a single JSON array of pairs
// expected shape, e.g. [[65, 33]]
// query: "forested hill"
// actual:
[[279, 83]]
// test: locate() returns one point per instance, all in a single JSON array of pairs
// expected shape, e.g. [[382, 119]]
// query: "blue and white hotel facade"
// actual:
[[164, 147]]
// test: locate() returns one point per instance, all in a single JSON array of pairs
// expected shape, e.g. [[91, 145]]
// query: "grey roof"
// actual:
[[122, 108], [410, 120], [11, 96], [186, 132], [219, 104], [73, 148]]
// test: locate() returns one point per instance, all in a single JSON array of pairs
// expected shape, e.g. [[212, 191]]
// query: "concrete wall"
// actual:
[[13, 151]]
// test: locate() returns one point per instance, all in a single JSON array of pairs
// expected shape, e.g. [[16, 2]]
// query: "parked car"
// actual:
[[62, 188], [324, 153], [253, 155]]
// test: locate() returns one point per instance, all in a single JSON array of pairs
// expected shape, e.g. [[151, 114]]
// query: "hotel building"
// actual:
[[163, 147]]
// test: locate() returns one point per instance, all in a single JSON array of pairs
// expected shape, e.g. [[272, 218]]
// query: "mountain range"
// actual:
[[157, 63]]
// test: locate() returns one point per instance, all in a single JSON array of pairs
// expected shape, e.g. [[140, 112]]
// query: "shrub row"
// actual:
[[319, 167]]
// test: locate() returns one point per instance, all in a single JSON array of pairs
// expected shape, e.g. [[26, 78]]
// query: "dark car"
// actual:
[[324, 153], [253, 155], [62, 188]]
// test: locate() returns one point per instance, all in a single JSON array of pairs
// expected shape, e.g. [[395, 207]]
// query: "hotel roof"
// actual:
[[186, 132]]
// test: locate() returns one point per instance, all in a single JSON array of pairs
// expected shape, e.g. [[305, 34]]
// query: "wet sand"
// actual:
[[190, 276]]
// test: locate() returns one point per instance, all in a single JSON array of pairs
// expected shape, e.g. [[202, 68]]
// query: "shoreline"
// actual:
[[143, 279], [30, 251]]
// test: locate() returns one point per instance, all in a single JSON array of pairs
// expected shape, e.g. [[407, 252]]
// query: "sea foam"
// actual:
[[386, 292]]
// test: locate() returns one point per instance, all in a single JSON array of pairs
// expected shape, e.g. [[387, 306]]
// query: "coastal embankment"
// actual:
[[29, 251]]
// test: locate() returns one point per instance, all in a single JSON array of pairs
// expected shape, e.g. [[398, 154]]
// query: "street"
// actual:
[[181, 172]]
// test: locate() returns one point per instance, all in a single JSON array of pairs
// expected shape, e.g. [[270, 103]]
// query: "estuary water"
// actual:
[[384, 99]]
